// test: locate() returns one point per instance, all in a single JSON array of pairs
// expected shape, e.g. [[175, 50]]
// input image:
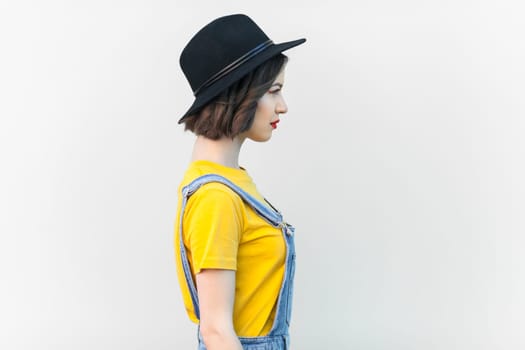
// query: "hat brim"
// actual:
[[216, 88]]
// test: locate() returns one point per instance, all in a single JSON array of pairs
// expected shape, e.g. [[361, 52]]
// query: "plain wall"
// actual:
[[400, 162]]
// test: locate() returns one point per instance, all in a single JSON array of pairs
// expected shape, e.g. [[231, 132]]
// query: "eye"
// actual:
[[275, 91]]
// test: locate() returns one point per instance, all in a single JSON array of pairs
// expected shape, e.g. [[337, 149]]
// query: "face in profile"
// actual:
[[269, 108]]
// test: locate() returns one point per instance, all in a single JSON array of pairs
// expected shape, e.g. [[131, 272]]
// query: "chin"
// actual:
[[261, 138]]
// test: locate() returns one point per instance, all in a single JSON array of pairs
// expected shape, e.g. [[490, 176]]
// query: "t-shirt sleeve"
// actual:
[[212, 227]]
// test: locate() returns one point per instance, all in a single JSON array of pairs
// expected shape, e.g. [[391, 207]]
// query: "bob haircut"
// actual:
[[232, 112]]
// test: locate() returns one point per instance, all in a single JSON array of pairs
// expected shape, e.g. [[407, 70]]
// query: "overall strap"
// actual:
[[274, 218]]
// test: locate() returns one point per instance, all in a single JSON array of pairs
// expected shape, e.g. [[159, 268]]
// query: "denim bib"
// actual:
[[278, 338]]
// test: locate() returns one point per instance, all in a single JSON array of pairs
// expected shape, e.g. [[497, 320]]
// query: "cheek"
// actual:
[[265, 106]]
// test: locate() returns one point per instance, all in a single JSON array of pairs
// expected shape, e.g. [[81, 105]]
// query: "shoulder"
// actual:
[[214, 208], [217, 197], [215, 189]]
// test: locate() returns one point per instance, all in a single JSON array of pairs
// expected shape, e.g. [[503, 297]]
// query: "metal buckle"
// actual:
[[288, 228]]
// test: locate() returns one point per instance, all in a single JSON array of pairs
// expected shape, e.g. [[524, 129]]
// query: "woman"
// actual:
[[235, 254]]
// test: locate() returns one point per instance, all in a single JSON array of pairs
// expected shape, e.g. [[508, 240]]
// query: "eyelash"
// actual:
[[275, 91]]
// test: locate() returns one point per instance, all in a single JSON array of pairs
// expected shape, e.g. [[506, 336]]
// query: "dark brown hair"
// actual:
[[233, 111]]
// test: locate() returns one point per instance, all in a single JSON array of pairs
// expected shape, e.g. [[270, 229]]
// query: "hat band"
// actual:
[[226, 70]]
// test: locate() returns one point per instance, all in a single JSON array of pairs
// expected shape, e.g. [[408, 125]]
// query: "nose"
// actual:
[[281, 106]]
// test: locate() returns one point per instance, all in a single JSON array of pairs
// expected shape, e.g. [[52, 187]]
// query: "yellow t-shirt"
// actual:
[[221, 231]]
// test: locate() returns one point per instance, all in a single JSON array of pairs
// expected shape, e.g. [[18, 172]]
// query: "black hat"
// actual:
[[222, 52]]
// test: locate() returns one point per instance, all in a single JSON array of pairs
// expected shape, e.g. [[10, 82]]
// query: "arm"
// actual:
[[216, 291]]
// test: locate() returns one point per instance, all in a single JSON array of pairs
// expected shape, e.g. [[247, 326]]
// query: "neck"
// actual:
[[224, 151]]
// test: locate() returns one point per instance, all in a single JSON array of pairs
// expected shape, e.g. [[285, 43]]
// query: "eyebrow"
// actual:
[[278, 84]]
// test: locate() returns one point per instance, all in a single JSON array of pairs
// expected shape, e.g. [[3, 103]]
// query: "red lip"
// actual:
[[274, 124]]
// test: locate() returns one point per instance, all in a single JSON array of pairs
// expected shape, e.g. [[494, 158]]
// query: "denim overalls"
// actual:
[[278, 338]]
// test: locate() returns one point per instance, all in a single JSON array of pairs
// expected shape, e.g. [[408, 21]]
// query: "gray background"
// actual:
[[400, 162]]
